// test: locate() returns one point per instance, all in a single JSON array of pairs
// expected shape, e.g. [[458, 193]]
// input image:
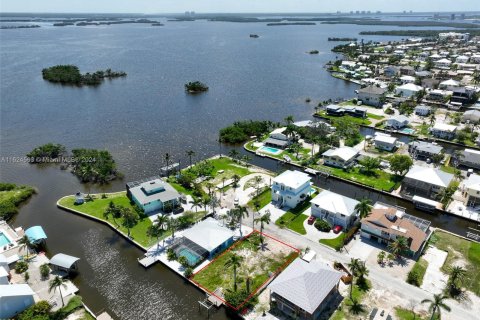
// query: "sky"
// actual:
[[245, 6]]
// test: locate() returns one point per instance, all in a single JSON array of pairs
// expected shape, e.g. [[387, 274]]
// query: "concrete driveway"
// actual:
[[434, 280], [361, 249]]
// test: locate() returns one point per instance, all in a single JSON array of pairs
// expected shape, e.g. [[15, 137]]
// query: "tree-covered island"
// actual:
[[70, 74], [196, 87]]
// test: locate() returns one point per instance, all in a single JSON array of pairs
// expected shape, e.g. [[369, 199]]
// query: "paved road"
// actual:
[[394, 287]]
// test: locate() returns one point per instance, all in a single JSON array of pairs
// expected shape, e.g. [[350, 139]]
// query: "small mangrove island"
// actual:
[[11, 197], [313, 52], [341, 39], [196, 87], [70, 74], [46, 153]]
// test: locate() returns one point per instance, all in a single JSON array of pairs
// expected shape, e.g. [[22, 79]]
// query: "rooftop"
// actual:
[[372, 90], [430, 175], [11, 290], [208, 234], [63, 260], [293, 179], [154, 190], [334, 202], [345, 153]]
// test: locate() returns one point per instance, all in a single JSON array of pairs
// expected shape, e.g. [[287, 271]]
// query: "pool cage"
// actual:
[[190, 250]]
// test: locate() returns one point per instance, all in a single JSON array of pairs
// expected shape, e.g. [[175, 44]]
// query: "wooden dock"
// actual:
[[147, 261]]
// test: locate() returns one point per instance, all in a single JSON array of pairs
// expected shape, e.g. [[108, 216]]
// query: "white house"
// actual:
[[443, 63], [14, 298], [385, 142], [407, 79], [334, 208], [372, 95], [472, 116], [408, 90], [462, 59], [449, 84], [443, 131], [470, 159], [397, 122], [278, 138], [342, 157], [290, 188], [426, 181]]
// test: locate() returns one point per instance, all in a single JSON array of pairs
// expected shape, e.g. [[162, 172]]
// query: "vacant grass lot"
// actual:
[[344, 312], [351, 119], [462, 250], [97, 207]]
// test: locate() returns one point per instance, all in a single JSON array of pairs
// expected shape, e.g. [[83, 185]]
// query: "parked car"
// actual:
[[337, 229], [311, 220]]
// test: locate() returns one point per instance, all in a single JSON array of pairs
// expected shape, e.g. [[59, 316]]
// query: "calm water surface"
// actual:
[[142, 117]]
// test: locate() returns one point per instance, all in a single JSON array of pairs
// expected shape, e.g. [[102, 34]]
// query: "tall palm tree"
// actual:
[[55, 283], [190, 154], [236, 179], [196, 203], [257, 182], [264, 219], [233, 154], [173, 225], [223, 184], [112, 211], [398, 246], [289, 120], [353, 265], [210, 187], [436, 304], [362, 271], [234, 262], [206, 202], [239, 213], [158, 227], [26, 243], [457, 275], [364, 207], [130, 219]]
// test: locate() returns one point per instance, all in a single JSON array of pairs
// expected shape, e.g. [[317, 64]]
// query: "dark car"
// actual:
[[337, 229], [311, 220]]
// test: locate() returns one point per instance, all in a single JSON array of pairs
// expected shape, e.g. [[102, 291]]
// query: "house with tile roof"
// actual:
[[305, 289]]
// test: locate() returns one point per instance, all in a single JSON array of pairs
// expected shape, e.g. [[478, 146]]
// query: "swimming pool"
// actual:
[[3, 239], [408, 130], [191, 256], [270, 150]]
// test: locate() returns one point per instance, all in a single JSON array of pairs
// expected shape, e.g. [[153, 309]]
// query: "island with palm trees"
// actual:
[[70, 75]]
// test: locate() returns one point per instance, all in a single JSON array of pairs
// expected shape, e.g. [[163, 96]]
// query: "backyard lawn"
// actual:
[[256, 264], [97, 207], [404, 314], [360, 121], [463, 251]]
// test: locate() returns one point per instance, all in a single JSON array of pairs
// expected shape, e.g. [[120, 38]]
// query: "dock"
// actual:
[[147, 261], [104, 316]]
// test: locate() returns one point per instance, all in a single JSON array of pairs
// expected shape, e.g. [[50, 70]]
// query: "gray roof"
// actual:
[[11, 290], [143, 193], [63, 260], [305, 284], [429, 175], [277, 142], [373, 90], [335, 203], [208, 234], [427, 147]]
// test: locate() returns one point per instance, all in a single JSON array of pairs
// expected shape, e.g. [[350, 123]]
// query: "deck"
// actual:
[[147, 261]]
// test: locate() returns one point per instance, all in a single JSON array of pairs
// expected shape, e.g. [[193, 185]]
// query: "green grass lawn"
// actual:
[[380, 180], [294, 218], [404, 314], [263, 199], [343, 311], [448, 169], [420, 267], [335, 242], [11, 198], [97, 207], [459, 248], [375, 116], [349, 118], [259, 266], [250, 146]]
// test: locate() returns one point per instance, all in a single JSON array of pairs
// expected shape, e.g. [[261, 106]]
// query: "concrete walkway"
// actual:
[[434, 280]]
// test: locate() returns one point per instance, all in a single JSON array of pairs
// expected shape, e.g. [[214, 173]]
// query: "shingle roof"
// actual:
[[305, 284]]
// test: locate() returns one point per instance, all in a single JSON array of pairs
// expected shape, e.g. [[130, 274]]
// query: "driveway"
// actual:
[[361, 249], [275, 212], [434, 280]]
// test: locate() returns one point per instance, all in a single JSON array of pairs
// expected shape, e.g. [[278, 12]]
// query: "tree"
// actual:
[[173, 225], [25, 243], [457, 275], [26, 276], [400, 163], [156, 228], [196, 203], [369, 164], [264, 219], [57, 283], [206, 202], [238, 214], [353, 265], [364, 207], [233, 154], [436, 304], [130, 219], [457, 157], [381, 257], [398, 246], [44, 271], [112, 211], [234, 262], [236, 179], [257, 182], [295, 148], [183, 261], [356, 307], [289, 120], [190, 154], [362, 272]]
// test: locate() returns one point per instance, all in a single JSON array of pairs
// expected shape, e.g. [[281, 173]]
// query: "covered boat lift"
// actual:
[[64, 263]]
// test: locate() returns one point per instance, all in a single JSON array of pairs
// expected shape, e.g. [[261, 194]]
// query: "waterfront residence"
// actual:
[[408, 90], [343, 157], [471, 190], [470, 159], [336, 110], [334, 208], [422, 110], [385, 223], [471, 116], [438, 95], [426, 181], [372, 95], [153, 195], [290, 188], [278, 139], [14, 298], [443, 63], [463, 95], [443, 131], [304, 289], [424, 150], [407, 79], [384, 142], [204, 240], [397, 122], [449, 84]]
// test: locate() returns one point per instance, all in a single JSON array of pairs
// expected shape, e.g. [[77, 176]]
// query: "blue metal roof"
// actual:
[[36, 233]]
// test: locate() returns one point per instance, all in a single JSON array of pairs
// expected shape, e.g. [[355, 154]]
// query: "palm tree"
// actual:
[[205, 202], [457, 275], [223, 184], [257, 181], [437, 304], [55, 283], [190, 154], [25, 242], [234, 262], [233, 154], [362, 272], [210, 187], [158, 227], [236, 179], [173, 225], [364, 207], [196, 203], [398, 246], [112, 211], [130, 219], [353, 266], [289, 120], [265, 218], [356, 307], [239, 213]]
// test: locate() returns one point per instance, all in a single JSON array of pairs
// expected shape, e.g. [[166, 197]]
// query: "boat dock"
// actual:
[[147, 261]]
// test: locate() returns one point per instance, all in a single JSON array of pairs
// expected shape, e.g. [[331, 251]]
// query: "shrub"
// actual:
[[413, 278], [188, 272], [171, 255], [21, 266], [183, 261], [39, 311], [44, 271], [323, 225]]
